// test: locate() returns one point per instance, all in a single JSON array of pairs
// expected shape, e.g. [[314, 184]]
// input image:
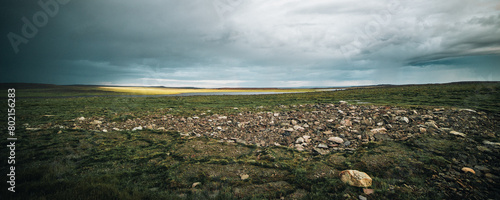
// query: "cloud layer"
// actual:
[[235, 43]]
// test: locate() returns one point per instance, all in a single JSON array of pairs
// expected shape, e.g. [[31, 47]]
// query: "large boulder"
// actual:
[[355, 178]]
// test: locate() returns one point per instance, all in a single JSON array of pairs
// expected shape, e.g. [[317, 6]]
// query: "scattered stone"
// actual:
[[404, 119], [244, 176], [347, 143], [328, 132], [104, 130], [95, 122], [297, 127], [431, 124], [378, 130], [457, 133], [324, 146], [368, 191], [422, 130], [361, 197], [299, 140], [321, 151], [346, 122], [468, 110], [426, 117], [356, 178], [446, 130], [336, 140], [496, 144], [195, 184], [240, 141], [466, 169], [81, 118], [139, 128], [33, 129]]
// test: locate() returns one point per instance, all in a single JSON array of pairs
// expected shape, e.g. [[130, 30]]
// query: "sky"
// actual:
[[249, 43]]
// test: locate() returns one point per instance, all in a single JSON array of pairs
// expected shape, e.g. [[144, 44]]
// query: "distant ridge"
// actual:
[[44, 85]]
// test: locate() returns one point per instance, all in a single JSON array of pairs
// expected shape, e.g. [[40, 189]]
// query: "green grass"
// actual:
[[129, 165], [82, 164]]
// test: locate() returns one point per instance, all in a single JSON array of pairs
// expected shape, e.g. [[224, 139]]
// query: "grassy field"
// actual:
[[59, 163]]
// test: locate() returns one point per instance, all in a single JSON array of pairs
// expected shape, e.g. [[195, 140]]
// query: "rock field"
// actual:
[[471, 171], [319, 128]]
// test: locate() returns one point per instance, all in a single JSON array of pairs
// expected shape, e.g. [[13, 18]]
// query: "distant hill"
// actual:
[[48, 86]]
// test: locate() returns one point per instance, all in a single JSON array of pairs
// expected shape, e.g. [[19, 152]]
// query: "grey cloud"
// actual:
[[256, 42]]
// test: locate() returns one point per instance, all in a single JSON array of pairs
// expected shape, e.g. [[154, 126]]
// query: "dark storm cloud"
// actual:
[[222, 43]]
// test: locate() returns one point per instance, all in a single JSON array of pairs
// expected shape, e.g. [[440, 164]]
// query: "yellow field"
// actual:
[[165, 91]]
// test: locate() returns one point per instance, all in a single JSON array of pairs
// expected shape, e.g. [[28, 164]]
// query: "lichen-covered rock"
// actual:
[[355, 178]]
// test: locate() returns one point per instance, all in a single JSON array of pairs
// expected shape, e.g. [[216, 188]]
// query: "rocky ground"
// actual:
[[329, 128], [320, 128]]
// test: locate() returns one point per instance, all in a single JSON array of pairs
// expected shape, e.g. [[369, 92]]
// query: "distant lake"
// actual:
[[225, 93]]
